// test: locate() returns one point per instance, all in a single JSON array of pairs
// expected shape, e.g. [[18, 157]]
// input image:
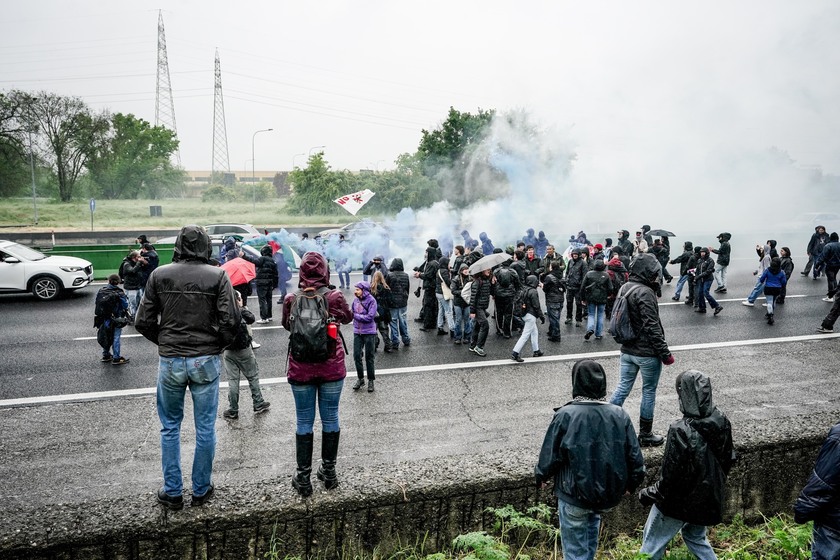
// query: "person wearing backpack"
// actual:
[[131, 274], [594, 294], [507, 285], [364, 334], [316, 384], [443, 279], [618, 277], [240, 361], [646, 352], [529, 300], [109, 319]]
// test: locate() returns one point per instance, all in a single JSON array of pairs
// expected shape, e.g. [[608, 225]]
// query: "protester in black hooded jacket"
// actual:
[[400, 285], [591, 452], [532, 312], [648, 351], [683, 260], [507, 285], [723, 254], [819, 501], [483, 287], [624, 243], [689, 494], [815, 247], [267, 280], [554, 286], [575, 271], [429, 311]]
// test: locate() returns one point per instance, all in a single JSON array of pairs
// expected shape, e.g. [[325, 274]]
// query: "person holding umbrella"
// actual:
[[483, 286]]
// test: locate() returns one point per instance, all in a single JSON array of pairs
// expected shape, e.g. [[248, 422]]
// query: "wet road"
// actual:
[[50, 348]]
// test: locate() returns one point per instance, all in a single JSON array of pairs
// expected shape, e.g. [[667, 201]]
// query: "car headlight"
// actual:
[[71, 268]]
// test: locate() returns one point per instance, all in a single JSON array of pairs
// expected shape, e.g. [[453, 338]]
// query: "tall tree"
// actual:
[[68, 134], [315, 187], [446, 153], [133, 157], [14, 152]]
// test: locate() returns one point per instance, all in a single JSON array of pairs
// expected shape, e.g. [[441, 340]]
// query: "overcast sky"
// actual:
[[651, 95]]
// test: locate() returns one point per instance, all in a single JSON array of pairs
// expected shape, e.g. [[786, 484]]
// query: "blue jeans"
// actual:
[[660, 529], [116, 345], [399, 326], [344, 279], [759, 287], [201, 375], [328, 395], [595, 319], [771, 300], [703, 295], [826, 543], [463, 323], [528, 331], [444, 312], [578, 531], [680, 283], [629, 367]]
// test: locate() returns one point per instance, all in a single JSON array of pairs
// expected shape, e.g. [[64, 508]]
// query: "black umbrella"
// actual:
[[662, 233]]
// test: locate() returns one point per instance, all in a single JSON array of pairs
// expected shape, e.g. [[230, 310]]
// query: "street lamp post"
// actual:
[[315, 148], [254, 165], [294, 157], [32, 162]]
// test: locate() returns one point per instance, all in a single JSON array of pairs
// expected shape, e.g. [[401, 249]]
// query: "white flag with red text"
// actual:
[[354, 202]]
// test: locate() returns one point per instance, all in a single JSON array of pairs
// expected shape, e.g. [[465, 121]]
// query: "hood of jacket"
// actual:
[[431, 254], [314, 272], [266, 251], [589, 380], [365, 287], [624, 235], [600, 265], [694, 390], [443, 262], [616, 264], [775, 265], [482, 236], [193, 244], [530, 232], [396, 265], [645, 229], [532, 281], [645, 268], [541, 235], [724, 236], [688, 246]]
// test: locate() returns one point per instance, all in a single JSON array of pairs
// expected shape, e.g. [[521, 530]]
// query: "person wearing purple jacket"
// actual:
[[317, 383], [364, 334]]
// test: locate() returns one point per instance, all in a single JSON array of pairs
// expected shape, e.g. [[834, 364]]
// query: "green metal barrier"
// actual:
[[105, 259]]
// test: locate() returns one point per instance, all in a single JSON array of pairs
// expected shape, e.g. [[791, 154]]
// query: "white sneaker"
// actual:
[[828, 299], [261, 321], [255, 345], [748, 304], [763, 305]]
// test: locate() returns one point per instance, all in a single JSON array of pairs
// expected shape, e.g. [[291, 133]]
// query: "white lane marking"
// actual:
[[103, 395]]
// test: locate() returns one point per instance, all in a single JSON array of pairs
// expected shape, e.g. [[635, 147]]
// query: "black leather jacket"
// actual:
[[643, 310], [195, 301]]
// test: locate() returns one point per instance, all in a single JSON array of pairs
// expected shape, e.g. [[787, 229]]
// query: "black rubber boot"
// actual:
[[329, 451], [646, 436], [303, 450]]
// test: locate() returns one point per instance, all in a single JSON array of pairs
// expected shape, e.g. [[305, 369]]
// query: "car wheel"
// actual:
[[46, 288]]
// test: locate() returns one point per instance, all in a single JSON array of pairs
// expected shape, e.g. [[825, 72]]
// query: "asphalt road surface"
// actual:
[[49, 349]]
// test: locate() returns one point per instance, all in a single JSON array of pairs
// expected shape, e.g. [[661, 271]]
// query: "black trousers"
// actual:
[[264, 297], [504, 312], [573, 299], [480, 329], [429, 312]]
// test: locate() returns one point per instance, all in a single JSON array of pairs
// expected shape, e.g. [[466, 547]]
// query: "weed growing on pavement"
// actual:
[[533, 535]]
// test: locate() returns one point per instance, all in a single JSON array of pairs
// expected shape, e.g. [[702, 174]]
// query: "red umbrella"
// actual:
[[240, 271]]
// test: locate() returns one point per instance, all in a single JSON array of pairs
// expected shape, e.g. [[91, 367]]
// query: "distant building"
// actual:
[[198, 181]]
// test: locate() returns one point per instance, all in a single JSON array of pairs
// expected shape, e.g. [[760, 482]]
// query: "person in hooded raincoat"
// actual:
[[541, 244], [689, 495], [486, 243], [646, 353], [364, 335], [591, 452], [819, 501], [317, 386], [533, 311]]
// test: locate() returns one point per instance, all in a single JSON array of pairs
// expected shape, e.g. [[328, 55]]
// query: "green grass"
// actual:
[[533, 535], [134, 214]]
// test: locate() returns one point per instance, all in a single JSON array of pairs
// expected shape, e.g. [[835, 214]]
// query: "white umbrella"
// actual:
[[488, 262]]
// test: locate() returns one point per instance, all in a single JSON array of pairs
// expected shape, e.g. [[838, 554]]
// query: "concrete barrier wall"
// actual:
[[428, 502]]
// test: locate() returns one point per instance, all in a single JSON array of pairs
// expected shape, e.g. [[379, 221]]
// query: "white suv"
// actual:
[[26, 270]]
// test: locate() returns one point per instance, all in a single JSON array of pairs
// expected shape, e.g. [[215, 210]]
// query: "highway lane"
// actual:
[[49, 348]]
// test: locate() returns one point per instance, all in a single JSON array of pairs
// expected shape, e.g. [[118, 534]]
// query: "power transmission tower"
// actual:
[[164, 106], [220, 146]]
